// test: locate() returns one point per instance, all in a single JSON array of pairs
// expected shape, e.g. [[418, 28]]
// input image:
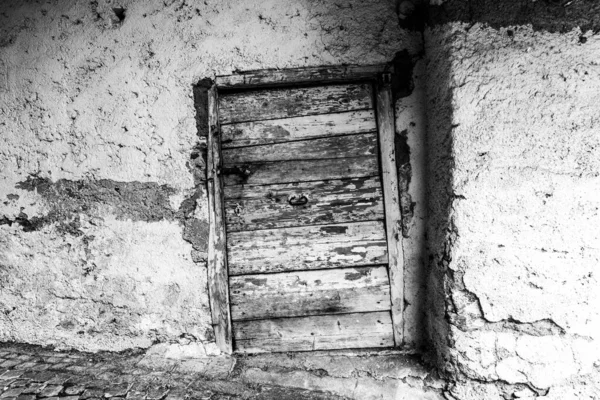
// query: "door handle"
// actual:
[[298, 201]]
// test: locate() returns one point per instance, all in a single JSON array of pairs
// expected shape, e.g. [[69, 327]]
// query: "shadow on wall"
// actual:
[[553, 16], [441, 231]]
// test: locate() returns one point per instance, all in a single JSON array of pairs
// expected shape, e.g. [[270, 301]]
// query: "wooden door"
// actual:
[[305, 226]]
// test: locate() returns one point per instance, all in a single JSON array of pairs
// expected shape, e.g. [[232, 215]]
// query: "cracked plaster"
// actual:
[[514, 208]]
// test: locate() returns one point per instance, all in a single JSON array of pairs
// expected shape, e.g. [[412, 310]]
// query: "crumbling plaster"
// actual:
[[103, 210], [514, 209]]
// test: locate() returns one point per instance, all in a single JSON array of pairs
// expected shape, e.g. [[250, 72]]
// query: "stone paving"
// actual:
[[32, 372]]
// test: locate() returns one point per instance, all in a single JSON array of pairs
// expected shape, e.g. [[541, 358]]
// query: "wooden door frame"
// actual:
[[218, 277]]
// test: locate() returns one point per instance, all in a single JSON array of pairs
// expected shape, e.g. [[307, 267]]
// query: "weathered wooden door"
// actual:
[[305, 223]]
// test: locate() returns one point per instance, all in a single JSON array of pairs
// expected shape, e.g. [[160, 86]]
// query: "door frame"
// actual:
[[218, 277]]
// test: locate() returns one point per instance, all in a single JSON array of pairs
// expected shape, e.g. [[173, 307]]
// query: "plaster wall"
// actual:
[[514, 210], [103, 220]]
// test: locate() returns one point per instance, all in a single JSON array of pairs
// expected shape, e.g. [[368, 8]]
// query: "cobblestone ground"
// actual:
[[32, 373]]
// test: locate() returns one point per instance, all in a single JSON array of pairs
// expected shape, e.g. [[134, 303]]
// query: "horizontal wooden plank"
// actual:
[[324, 332], [307, 248], [303, 293], [314, 149], [298, 128], [324, 74], [250, 207], [257, 105], [267, 173]]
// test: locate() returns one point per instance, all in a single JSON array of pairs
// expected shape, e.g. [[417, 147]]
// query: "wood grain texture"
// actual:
[[307, 248], [251, 207], [267, 173], [218, 286], [343, 331], [325, 74], [257, 105], [303, 293], [297, 128], [393, 218], [347, 146]]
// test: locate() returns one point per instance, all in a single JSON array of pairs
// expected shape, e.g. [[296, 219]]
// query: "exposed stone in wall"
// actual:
[[65, 200], [513, 205]]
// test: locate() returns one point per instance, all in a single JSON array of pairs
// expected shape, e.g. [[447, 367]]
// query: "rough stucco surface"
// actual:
[[129, 286], [98, 117], [514, 183]]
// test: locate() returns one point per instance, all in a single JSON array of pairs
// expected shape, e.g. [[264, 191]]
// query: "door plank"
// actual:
[[303, 293], [344, 331], [332, 147], [250, 207], [267, 173], [257, 105], [307, 248], [297, 128]]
